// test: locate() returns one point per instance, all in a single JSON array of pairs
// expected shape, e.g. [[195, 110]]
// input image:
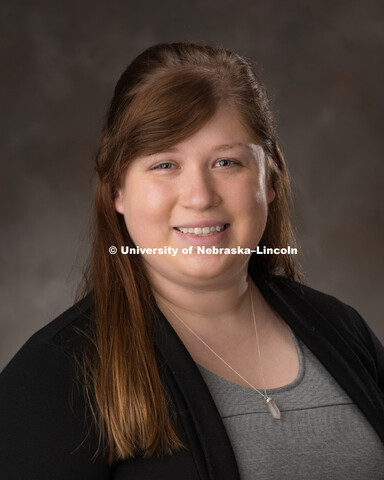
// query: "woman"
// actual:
[[190, 356]]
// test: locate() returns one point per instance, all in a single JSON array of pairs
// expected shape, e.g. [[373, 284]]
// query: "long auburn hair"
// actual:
[[165, 95]]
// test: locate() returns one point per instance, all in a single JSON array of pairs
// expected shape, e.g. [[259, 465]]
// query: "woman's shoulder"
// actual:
[[42, 406], [63, 336], [64, 331], [49, 354], [325, 303], [343, 318]]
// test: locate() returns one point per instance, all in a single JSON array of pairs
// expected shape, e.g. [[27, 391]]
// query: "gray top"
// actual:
[[322, 434]]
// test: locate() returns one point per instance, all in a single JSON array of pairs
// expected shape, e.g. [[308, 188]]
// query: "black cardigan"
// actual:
[[42, 428]]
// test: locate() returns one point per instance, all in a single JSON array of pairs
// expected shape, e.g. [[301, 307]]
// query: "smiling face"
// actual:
[[210, 190]]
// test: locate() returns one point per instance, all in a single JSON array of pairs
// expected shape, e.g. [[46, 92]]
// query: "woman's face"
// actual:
[[209, 190]]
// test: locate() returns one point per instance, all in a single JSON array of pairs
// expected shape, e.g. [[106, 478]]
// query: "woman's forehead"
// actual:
[[223, 132]]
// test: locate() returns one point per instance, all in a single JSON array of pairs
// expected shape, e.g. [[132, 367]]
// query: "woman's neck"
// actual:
[[220, 304]]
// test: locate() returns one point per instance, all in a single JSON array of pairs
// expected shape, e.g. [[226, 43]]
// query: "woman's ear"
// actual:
[[270, 174], [271, 194], [119, 201]]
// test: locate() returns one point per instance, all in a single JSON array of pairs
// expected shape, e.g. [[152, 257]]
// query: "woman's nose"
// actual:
[[198, 190]]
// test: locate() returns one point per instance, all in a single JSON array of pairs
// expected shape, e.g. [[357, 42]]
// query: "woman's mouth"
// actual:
[[204, 235], [203, 231]]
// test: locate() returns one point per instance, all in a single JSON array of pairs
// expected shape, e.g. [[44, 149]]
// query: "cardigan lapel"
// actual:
[[207, 437], [330, 344]]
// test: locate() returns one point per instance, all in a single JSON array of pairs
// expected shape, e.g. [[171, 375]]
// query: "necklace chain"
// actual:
[[264, 395], [269, 402]]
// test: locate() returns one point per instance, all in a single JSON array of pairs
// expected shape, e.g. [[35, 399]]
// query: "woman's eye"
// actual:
[[225, 162], [164, 166]]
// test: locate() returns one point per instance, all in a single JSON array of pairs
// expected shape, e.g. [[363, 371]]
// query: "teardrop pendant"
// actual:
[[273, 408]]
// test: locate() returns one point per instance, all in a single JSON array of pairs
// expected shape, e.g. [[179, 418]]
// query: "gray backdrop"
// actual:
[[322, 63]]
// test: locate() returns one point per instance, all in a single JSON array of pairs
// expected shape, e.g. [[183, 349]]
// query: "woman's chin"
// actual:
[[207, 267], [195, 269]]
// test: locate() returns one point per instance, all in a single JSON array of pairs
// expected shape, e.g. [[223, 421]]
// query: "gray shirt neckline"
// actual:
[[296, 382]]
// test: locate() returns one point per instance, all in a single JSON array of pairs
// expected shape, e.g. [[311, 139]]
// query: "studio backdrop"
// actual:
[[322, 64]]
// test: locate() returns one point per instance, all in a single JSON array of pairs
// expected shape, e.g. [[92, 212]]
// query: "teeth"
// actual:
[[203, 231]]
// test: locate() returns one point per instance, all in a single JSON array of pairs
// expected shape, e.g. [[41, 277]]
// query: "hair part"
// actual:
[[164, 96]]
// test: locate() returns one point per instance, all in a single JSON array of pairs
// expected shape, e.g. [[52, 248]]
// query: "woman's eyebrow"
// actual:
[[217, 148], [220, 148]]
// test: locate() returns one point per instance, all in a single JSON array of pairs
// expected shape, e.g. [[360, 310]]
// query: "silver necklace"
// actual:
[[269, 402]]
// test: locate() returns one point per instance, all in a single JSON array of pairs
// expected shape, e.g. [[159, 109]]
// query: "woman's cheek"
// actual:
[[158, 197], [146, 198], [247, 196]]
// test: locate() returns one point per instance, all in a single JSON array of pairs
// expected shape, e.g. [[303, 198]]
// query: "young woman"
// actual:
[[194, 353]]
